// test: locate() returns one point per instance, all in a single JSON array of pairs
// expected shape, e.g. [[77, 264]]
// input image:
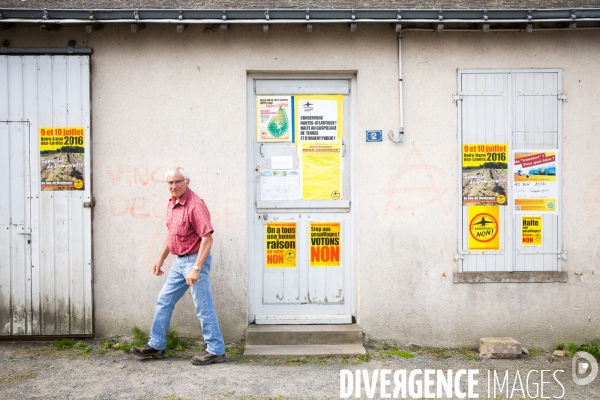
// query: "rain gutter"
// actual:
[[296, 16]]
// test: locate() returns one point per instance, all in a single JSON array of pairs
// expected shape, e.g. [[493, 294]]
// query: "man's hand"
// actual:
[[192, 277], [156, 268]]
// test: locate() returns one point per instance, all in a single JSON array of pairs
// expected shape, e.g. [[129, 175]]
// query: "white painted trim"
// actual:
[[254, 292]]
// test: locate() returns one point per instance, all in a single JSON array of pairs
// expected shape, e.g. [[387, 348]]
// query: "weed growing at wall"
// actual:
[[82, 348], [571, 348]]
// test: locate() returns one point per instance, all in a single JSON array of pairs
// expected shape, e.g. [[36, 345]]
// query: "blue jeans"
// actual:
[[173, 289]]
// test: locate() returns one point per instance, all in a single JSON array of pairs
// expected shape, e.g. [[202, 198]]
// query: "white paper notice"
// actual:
[[280, 185], [282, 162]]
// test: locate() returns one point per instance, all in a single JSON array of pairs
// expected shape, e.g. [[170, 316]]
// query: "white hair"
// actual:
[[175, 170]]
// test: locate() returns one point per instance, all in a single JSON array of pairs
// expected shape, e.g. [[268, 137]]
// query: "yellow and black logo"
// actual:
[[483, 227]]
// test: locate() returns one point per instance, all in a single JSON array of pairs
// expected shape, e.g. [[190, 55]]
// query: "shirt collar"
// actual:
[[183, 198]]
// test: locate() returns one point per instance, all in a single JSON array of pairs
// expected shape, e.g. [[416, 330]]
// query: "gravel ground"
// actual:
[[37, 370]]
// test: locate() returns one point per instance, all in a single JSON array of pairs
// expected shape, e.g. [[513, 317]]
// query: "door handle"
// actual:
[[26, 233]]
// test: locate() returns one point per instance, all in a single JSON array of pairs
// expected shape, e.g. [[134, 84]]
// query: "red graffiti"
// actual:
[[133, 176], [137, 207]]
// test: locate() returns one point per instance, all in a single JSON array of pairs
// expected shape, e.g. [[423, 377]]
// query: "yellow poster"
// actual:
[[531, 230], [325, 243], [321, 165], [484, 174], [280, 244], [62, 155], [483, 228], [318, 117]]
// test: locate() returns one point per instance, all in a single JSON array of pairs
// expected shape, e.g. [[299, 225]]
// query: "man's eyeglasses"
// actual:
[[176, 183]]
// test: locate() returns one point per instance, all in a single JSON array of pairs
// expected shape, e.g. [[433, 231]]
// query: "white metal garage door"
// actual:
[[45, 196]]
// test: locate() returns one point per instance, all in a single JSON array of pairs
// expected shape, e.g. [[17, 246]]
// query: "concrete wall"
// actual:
[[161, 98]]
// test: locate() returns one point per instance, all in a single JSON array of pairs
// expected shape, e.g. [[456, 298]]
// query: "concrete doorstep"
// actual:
[[303, 340], [316, 350]]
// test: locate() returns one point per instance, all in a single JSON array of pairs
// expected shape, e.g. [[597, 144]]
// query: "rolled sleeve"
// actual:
[[200, 220]]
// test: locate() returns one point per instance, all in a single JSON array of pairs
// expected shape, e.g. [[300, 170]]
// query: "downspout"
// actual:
[[401, 133]]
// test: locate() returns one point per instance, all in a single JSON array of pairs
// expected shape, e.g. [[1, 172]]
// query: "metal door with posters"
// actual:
[[45, 196], [302, 239]]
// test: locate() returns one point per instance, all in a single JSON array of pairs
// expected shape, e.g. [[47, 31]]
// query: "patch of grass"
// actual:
[[83, 349], [571, 348], [592, 349], [439, 352], [17, 377], [174, 342], [469, 355], [535, 351], [64, 344], [295, 360], [398, 353], [140, 338], [364, 357], [173, 397], [81, 345], [234, 350]]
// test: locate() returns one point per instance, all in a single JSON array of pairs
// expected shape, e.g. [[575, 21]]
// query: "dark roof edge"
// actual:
[[275, 16]]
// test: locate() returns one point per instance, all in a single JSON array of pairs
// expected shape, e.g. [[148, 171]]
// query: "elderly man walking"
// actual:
[[190, 239]]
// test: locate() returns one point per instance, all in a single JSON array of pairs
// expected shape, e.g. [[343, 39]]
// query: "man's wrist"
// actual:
[[196, 268]]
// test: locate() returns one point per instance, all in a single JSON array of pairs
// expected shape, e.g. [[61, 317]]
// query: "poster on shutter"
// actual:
[[531, 230], [318, 117], [325, 243], [62, 155], [484, 174], [321, 170], [280, 245], [483, 227], [273, 118], [535, 187]]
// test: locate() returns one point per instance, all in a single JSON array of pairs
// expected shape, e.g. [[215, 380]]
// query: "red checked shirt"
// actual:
[[188, 221]]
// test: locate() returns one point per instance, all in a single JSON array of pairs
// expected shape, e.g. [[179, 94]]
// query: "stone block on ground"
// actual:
[[499, 347]]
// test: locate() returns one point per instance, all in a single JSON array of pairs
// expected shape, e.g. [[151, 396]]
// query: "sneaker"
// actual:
[[147, 352], [207, 358]]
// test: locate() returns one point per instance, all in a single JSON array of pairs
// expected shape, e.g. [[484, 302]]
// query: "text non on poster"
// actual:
[[484, 227], [325, 243], [531, 230], [280, 244]]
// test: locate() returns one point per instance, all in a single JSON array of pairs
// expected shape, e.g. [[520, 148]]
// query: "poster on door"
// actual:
[[62, 156], [484, 174], [531, 230], [325, 244], [535, 187], [321, 170], [280, 244], [484, 227], [318, 117], [274, 118]]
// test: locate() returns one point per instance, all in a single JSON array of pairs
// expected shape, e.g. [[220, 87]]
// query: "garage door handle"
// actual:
[[25, 233]]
